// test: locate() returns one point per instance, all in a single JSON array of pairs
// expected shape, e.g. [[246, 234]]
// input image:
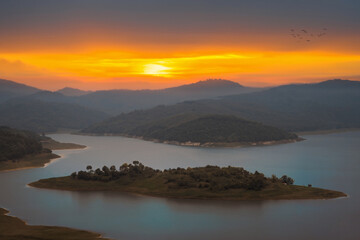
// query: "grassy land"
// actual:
[[12, 228], [156, 186], [55, 145], [29, 161]]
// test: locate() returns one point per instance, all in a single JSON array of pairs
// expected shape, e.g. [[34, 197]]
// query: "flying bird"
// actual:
[[305, 35]]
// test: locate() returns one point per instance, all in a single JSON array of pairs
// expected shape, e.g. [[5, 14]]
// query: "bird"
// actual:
[[304, 34]]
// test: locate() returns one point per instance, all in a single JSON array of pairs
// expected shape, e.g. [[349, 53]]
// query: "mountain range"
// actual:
[[331, 104], [296, 107], [29, 108]]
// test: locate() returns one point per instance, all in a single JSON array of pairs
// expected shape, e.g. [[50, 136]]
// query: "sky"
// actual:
[[151, 44]]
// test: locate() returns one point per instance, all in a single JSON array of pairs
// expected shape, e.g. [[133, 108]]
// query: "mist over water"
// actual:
[[329, 161]]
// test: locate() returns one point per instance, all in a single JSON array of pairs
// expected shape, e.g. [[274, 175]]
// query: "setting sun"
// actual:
[[156, 70]]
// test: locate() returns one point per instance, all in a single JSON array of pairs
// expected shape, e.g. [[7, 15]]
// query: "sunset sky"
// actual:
[[138, 44]]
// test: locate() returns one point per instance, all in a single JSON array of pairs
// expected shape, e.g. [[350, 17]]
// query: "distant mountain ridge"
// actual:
[[119, 101], [68, 91], [45, 111], [42, 116], [10, 89], [302, 107]]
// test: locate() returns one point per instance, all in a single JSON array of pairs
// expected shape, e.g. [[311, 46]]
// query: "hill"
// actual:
[[15, 144], [10, 89], [24, 149], [193, 129], [331, 104], [41, 116], [67, 91]]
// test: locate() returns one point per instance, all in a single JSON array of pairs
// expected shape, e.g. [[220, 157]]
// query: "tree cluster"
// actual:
[[15, 144], [213, 178], [107, 174]]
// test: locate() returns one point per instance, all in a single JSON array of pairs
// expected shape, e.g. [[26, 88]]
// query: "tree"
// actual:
[[123, 167], [89, 168], [113, 168], [98, 172], [106, 170], [287, 180], [136, 163]]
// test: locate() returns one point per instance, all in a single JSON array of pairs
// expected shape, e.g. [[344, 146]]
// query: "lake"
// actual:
[[328, 161]]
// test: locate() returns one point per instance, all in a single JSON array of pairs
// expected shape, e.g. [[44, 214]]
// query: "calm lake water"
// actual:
[[328, 161]]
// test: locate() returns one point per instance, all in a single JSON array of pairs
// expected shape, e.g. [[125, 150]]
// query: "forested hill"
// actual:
[[203, 129], [15, 144], [304, 107], [41, 116]]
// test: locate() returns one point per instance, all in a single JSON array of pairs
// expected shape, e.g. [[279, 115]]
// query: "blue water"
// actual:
[[329, 161]]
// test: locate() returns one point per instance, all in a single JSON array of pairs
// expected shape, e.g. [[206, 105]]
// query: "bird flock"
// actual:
[[304, 35]]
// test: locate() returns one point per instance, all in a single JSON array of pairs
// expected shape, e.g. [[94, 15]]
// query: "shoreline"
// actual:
[[329, 131], [19, 227], [198, 144], [199, 198], [43, 162], [276, 192]]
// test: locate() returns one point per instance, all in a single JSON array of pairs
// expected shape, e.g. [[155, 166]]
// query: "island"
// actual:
[[24, 149], [14, 228], [193, 129], [209, 182]]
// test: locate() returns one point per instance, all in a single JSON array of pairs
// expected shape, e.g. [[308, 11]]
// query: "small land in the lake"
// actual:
[[210, 182], [12, 228]]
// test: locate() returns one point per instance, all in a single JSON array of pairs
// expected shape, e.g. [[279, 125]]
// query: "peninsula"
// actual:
[[24, 149], [192, 129], [15, 228], [209, 182]]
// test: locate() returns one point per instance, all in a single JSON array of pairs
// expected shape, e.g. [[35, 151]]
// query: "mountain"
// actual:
[[119, 101], [303, 107], [195, 128], [10, 89], [67, 91], [41, 116]]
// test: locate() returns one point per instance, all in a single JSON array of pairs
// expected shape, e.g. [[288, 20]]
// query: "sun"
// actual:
[[156, 70]]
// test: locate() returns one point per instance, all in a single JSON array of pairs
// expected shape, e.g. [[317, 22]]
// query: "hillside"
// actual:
[[206, 130], [67, 91], [15, 144], [10, 89], [304, 107], [119, 101], [40, 116]]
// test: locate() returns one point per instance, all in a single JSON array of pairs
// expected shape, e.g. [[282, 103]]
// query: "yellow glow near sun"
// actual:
[[156, 70]]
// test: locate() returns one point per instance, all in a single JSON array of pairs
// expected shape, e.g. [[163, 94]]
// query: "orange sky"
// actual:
[[97, 54]]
